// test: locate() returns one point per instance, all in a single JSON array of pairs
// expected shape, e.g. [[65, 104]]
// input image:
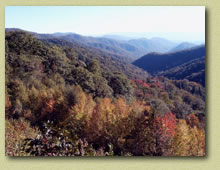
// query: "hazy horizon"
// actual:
[[133, 35], [177, 23]]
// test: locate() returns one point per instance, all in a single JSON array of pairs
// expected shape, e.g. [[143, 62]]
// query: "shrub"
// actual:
[[56, 141], [16, 131]]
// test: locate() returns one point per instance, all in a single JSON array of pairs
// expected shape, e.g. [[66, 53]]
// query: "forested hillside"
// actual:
[[131, 49], [64, 98], [127, 50], [155, 62], [184, 64], [193, 70]]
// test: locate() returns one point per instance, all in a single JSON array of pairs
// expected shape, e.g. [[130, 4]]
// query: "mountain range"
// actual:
[[183, 46], [71, 95], [156, 56], [130, 49], [184, 64], [155, 62], [194, 70]]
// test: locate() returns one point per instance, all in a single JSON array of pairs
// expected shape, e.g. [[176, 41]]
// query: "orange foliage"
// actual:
[[148, 108], [132, 127], [48, 107], [192, 120]]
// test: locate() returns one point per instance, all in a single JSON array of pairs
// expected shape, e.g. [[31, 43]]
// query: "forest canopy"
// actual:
[[66, 99]]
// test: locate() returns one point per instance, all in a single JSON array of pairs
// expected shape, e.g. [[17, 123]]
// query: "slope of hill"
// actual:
[[156, 62], [182, 46], [193, 70], [152, 45], [130, 49], [108, 60], [67, 59], [63, 98], [120, 48], [133, 49]]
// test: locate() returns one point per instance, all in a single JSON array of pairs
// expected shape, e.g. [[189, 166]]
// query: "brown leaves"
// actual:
[[192, 120]]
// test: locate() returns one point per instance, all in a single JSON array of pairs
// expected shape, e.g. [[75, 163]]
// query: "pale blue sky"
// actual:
[[98, 20]]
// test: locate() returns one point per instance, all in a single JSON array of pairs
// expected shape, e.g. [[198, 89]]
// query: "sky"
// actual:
[[172, 22]]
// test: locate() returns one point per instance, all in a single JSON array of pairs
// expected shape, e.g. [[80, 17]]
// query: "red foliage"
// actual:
[[146, 85], [140, 82], [165, 126]]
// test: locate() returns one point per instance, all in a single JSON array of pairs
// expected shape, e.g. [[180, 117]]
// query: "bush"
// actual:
[[55, 141], [16, 131]]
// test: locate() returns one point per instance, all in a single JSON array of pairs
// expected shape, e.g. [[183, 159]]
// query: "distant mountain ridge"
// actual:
[[182, 46], [193, 70], [156, 62], [152, 45], [84, 53], [131, 49], [185, 64], [183, 61]]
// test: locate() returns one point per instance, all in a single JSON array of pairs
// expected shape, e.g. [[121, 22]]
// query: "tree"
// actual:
[[101, 87], [121, 86], [164, 128], [83, 78], [94, 67], [188, 141]]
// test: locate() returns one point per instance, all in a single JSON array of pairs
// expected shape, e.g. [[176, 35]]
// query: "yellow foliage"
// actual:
[[188, 141]]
